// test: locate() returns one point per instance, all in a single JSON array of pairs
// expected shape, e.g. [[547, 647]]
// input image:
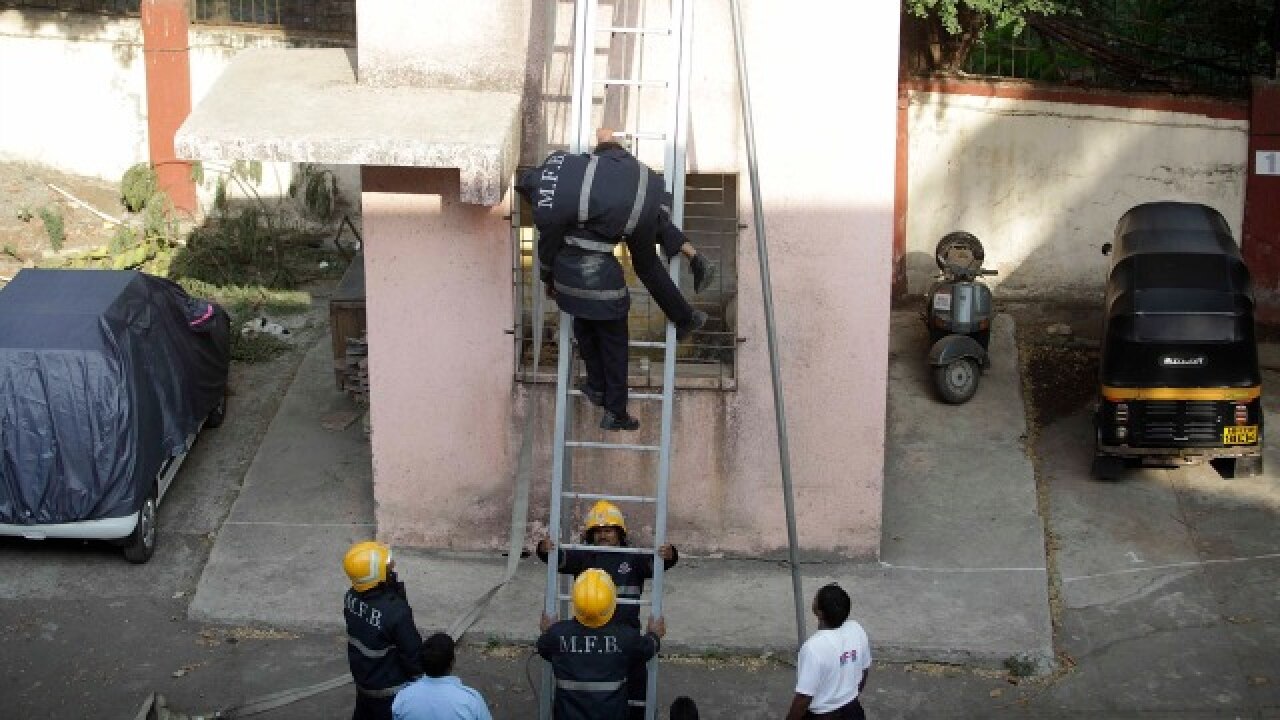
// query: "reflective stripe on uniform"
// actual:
[[584, 198], [590, 294], [365, 650], [382, 693], [632, 591], [642, 187], [585, 244], [585, 686], [636, 703]]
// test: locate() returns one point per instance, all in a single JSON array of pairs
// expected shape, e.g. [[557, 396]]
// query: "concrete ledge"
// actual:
[[304, 105]]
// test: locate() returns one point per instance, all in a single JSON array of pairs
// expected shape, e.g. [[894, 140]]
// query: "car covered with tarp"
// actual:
[[106, 377]]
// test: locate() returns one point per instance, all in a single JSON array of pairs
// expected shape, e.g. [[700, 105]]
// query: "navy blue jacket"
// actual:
[[591, 666], [382, 639], [578, 232], [628, 570]]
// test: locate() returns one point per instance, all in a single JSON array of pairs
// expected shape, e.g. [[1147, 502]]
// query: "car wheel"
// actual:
[[957, 381], [141, 544], [217, 414]]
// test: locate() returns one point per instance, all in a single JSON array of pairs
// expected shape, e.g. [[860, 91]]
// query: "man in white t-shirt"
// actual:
[[834, 662]]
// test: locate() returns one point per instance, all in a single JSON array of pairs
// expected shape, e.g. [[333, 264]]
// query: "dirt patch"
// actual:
[[1058, 351], [25, 191], [1062, 377]]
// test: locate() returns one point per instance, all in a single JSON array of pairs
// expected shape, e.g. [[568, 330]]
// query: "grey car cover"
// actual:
[[103, 376]]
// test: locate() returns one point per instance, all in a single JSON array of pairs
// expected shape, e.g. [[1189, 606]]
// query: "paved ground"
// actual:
[[1164, 587], [947, 564]]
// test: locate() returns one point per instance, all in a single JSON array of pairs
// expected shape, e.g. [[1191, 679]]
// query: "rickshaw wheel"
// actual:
[[957, 381], [1107, 468]]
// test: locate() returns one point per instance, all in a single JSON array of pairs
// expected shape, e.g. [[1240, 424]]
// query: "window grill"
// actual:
[[337, 17], [321, 16], [96, 7], [709, 358]]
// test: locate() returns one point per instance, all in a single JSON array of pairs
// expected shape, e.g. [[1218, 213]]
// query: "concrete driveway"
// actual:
[[1164, 590]]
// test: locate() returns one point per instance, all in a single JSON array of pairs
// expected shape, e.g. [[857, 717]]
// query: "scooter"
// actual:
[[958, 315]]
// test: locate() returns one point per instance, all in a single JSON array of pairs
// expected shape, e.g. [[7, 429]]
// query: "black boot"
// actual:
[[619, 422], [703, 273], [690, 326]]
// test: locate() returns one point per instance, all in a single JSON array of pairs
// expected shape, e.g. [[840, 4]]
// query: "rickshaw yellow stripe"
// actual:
[[1119, 394]]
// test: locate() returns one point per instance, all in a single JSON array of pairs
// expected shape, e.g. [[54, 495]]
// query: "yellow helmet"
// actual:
[[366, 564], [605, 514], [594, 598]]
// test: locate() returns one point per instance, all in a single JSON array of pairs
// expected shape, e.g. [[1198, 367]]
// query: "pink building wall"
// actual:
[[437, 282], [447, 415]]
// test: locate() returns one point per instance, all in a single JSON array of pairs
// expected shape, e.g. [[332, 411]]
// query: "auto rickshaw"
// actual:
[[1179, 371]]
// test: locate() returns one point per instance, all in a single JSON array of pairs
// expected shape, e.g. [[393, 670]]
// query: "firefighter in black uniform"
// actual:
[[583, 206], [592, 654], [382, 640], [606, 526]]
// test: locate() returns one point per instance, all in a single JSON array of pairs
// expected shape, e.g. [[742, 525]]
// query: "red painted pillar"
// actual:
[[900, 194], [1260, 238], [165, 47]]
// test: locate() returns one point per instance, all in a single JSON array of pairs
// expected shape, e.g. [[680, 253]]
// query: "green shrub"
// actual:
[[53, 226], [137, 186], [123, 239]]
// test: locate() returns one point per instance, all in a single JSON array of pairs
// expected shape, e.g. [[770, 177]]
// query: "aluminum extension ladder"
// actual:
[[587, 32]]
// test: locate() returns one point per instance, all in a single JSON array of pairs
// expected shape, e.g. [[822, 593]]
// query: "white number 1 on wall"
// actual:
[[1267, 162]]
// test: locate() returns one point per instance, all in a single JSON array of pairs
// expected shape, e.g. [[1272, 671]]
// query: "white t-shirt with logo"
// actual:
[[831, 664]]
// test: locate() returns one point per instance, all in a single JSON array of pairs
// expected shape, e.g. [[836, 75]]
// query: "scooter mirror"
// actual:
[[1106, 248]]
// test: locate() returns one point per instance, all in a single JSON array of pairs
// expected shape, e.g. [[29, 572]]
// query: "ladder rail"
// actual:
[[674, 178], [550, 605]]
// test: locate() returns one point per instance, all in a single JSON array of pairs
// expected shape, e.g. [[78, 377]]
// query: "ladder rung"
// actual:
[[632, 83], [603, 496], [647, 344], [647, 135], [656, 30], [610, 446], [620, 601], [630, 395], [608, 548]]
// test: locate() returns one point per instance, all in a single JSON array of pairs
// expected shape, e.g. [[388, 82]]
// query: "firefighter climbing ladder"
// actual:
[[587, 31]]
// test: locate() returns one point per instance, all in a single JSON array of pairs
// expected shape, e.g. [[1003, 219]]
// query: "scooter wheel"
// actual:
[[957, 381]]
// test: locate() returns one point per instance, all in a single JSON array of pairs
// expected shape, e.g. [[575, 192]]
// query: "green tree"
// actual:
[[937, 35]]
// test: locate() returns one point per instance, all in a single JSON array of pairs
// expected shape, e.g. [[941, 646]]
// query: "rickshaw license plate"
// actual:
[[1240, 435]]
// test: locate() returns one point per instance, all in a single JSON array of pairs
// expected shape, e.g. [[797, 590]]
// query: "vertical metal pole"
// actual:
[[784, 452]]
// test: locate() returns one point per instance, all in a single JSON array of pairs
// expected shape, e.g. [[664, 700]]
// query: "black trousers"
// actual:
[[653, 273], [637, 688], [852, 711], [603, 344], [370, 708]]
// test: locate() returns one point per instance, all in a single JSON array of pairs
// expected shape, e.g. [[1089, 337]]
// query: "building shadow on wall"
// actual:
[[1044, 217]]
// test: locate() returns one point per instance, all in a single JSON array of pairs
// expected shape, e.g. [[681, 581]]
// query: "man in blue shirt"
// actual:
[[438, 695]]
